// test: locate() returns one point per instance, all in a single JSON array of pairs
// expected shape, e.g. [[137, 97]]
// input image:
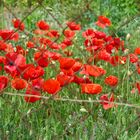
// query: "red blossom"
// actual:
[[67, 42], [54, 46], [137, 51], [13, 62], [89, 33], [74, 26], [53, 33], [30, 44], [69, 33], [55, 55], [41, 59], [66, 63], [93, 70], [45, 41], [68, 72], [100, 35], [111, 80], [20, 50], [18, 24], [81, 80], [33, 72], [104, 55], [138, 70], [42, 25], [64, 79], [103, 22], [2, 59], [51, 86], [32, 92], [109, 48], [77, 66], [3, 45], [3, 82], [91, 88], [18, 83], [37, 83], [107, 102], [138, 86], [114, 60], [9, 35], [133, 58]]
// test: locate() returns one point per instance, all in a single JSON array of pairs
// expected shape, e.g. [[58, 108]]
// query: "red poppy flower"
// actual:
[[89, 33], [133, 58], [97, 42], [138, 87], [54, 46], [9, 48], [45, 41], [18, 83], [2, 59], [80, 80], [55, 55], [67, 42], [69, 33], [109, 48], [66, 63], [30, 44], [42, 25], [9, 35], [91, 88], [63, 46], [3, 45], [74, 26], [41, 59], [138, 70], [68, 72], [103, 22], [37, 83], [93, 70], [33, 72], [39, 32], [3, 82], [11, 70], [20, 50], [51, 86], [18, 24], [111, 80], [114, 60], [100, 35], [13, 62], [52, 33], [64, 79], [15, 59], [32, 92], [93, 49], [108, 39], [77, 66], [104, 55], [118, 44], [107, 102], [137, 51]]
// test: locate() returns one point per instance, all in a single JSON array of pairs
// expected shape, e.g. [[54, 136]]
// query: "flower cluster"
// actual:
[[22, 71]]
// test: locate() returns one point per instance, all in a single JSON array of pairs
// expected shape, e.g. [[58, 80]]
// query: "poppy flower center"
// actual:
[[11, 63]]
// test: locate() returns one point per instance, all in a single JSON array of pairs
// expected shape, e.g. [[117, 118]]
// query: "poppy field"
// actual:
[[72, 78]]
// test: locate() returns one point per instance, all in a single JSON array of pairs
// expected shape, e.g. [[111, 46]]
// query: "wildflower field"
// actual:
[[70, 70]]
